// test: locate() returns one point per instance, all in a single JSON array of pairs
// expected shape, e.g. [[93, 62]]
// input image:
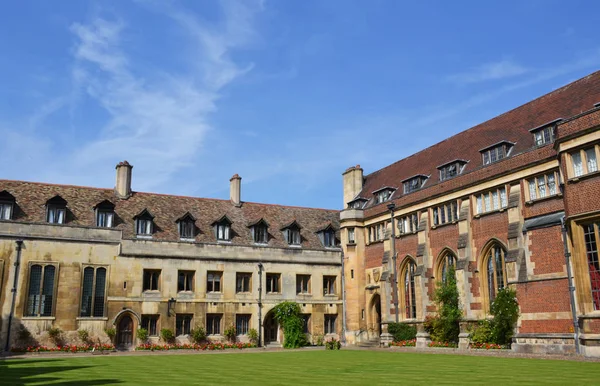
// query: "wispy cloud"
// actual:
[[489, 71]]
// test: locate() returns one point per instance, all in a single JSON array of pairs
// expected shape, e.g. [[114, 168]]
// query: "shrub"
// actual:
[[446, 327], [84, 335], [198, 334], [287, 314], [230, 333], [505, 310], [142, 334], [55, 335], [429, 323], [402, 331], [333, 344], [482, 333], [320, 341], [253, 335], [167, 335], [110, 332], [24, 335]]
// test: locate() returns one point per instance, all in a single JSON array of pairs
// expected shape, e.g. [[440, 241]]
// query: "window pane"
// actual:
[[503, 201], [488, 204], [495, 202], [99, 292], [479, 204], [532, 191], [551, 184], [47, 291], [541, 182], [35, 282], [577, 164], [590, 155], [591, 246], [86, 291]]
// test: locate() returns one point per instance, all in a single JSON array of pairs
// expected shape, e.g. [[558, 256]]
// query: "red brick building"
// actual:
[[491, 201]]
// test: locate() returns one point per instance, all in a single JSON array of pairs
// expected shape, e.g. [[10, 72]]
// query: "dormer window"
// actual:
[[144, 224], [7, 204], [383, 194], [327, 236], [544, 134], [451, 169], [222, 229], [292, 233], [496, 152], [260, 231], [56, 210], [357, 203], [186, 225], [105, 214], [414, 183]]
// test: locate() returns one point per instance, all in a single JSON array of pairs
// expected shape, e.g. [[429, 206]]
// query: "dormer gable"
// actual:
[[496, 152], [357, 203], [186, 226], [56, 210], [383, 194], [259, 230], [144, 223], [452, 169], [414, 183], [291, 232], [544, 134], [222, 228], [327, 236], [105, 214], [7, 205]]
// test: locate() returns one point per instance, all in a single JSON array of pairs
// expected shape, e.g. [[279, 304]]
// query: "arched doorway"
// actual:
[[271, 329], [375, 316], [125, 332]]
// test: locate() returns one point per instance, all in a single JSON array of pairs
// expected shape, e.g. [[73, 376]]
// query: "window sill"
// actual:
[[400, 235], [144, 237], [186, 240], [444, 224], [92, 318], [331, 296], [38, 318], [535, 201], [224, 241], [489, 213], [304, 294], [261, 244], [375, 242], [351, 244], [295, 245], [273, 293], [583, 177], [245, 293], [151, 293]]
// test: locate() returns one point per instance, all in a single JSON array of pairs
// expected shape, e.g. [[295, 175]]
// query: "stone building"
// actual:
[[490, 201], [84, 258]]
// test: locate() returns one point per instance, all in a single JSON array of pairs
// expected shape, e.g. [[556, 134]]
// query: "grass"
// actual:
[[295, 367]]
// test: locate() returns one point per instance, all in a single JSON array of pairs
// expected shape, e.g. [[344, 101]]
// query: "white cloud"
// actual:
[[489, 71]]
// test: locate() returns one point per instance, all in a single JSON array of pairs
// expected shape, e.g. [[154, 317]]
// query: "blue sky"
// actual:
[[286, 93]]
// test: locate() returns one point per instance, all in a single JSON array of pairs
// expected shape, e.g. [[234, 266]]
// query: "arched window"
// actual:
[[447, 260], [495, 271], [408, 289], [40, 299], [93, 292]]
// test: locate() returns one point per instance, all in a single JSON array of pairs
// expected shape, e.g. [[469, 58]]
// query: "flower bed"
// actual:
[[443, 344], [487, 346], [194, 346], [405, 343], [67, 348]]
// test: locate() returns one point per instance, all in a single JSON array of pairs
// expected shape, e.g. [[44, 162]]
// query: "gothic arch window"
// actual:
[[447, 259], [494, 270], [408, 290]]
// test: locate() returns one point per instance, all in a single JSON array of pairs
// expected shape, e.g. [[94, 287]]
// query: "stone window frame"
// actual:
[[7, 205], [408, 223], [214, 320], [585, 161], [491, 246], [306, 323], [330, 285], [535, 179], [157, 281], [242, 276], [330, 324], [376, 232], [104, 214], [215, 275], [445, 259], [351, 235], [502, 193], [186, 227], [589, 302], [303, 284], [43, 264], [149, 318], [186, 280], [55, 207], [183, 324], [408, 266], [448, 212], [144, 224], [95, 267], [245, 322], [269, 280]]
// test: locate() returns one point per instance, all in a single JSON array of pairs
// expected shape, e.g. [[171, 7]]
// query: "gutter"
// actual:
[[14, 293], [571, 286], [343, 334]]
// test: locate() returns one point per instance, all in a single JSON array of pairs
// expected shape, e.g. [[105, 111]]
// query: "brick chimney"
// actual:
[[235, 190], [353, 183], [123, 185]]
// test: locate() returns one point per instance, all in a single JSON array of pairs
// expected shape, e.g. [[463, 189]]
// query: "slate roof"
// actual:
[[513, 126], [31, 198]]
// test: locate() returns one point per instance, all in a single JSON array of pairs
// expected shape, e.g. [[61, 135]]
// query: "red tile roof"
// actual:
[[31, 199], [513, 126]]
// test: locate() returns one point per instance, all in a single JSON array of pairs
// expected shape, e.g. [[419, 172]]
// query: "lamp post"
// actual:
[[171, 306], [260, 268], [391, 207]]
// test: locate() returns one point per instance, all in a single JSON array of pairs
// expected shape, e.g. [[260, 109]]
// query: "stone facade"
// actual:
[[79, 243]]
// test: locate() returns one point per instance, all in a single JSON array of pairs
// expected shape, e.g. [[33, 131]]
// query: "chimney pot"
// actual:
[[123, 184], [235, 190]]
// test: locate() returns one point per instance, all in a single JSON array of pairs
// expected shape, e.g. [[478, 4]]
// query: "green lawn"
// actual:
[[344, 367]]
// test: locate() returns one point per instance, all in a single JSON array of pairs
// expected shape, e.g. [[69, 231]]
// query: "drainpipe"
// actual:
[[14, 293], [260, 268], [571, 285], [343, 337]]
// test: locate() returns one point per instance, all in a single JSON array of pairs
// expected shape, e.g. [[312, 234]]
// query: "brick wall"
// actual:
[[546, 250], [373, 255]]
